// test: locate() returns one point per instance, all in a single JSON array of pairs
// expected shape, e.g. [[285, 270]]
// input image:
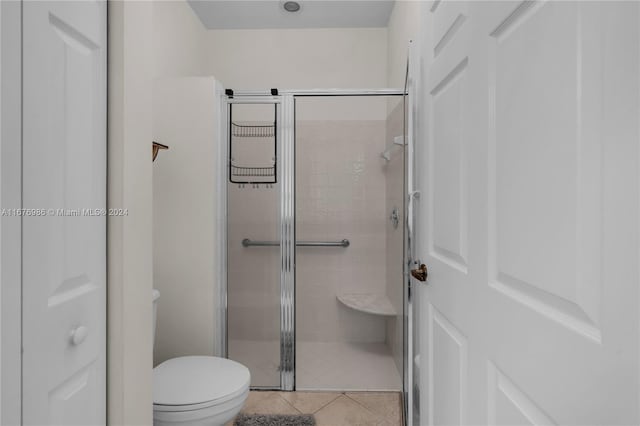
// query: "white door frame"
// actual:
[[10, 198], [412, 195], [220, 339]]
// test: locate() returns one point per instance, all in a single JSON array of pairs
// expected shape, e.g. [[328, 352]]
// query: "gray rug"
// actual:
[[275, 420]]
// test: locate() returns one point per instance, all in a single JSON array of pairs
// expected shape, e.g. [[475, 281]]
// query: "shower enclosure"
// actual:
[[314, 289]]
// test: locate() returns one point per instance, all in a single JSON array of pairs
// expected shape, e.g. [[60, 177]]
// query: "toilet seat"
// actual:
[[193, 407], [198, 382]]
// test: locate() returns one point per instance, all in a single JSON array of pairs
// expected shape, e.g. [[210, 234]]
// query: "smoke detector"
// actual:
[[291, 6]]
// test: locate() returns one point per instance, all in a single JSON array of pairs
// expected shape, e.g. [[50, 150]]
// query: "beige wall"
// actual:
[[298, 58], [315, 58], [183, 185], [346, 58], [184, 188], [146, 39], [403, 26], [178, 40], [129, 237]]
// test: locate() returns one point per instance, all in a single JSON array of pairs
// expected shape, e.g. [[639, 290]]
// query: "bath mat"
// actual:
[[275, 420]]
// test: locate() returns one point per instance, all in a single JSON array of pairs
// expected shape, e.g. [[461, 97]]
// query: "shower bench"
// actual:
[[371, 303]]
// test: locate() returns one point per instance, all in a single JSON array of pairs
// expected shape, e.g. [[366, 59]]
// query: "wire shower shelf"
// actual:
[[253, 171], [253, 131], [253, 161]]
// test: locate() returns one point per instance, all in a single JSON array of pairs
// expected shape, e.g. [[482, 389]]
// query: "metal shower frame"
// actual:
[[286, 177]]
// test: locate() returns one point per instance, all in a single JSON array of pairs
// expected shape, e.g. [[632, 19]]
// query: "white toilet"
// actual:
[[197, 390]]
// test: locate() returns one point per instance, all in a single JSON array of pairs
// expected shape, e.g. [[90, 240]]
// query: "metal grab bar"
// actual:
[[344, 243]]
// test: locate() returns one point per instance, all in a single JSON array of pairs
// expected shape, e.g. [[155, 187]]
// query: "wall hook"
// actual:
[[156, 148]]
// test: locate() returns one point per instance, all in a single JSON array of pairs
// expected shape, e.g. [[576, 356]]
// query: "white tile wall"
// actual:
[[340, 194]]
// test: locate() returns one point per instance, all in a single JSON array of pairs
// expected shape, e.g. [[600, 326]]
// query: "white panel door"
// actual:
[[64, 247], [530, 212]]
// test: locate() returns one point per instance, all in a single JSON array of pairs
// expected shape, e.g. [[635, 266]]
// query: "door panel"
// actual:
[[449, 199], [448, 367], [561, 206], [508, 405], [253, 211], [446, 210], [64, 244], [531, 212]]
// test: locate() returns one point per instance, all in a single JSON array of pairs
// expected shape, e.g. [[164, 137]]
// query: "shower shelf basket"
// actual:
[[253, 146], [253, 131], [253, 171]]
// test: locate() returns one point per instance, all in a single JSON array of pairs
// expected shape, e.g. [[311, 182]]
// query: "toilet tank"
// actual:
[[155, 294]]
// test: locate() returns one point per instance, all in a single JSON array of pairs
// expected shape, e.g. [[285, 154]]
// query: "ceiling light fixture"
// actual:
[[291, 6]]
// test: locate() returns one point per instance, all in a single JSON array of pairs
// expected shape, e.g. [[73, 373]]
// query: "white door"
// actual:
[[530, 212], [64, 247]]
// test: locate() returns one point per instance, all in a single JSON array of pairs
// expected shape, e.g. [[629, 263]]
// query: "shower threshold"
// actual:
[[346, 366]]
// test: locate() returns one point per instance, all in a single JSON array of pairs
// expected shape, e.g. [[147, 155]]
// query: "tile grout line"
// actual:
[[337, 395], [381, 417], [289, 404], [361, 404]]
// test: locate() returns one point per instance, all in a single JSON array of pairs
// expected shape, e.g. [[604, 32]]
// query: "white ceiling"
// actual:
[[260, 14]]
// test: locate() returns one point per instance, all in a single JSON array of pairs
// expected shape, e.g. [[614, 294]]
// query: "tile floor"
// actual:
[[331, 408]]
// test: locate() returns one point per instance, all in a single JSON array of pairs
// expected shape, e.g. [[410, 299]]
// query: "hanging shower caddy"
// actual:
[[252, 150]]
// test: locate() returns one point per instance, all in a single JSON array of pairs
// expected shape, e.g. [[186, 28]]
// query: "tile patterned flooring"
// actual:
[[331, 408]]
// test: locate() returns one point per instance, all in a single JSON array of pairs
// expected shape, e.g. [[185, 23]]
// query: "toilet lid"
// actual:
[[192, 380]]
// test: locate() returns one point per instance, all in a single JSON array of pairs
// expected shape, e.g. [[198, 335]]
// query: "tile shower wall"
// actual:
[[340, 190], [394, 180], [339, 194]]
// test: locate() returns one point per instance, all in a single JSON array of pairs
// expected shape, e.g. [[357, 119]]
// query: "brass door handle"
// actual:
[[420, 274]]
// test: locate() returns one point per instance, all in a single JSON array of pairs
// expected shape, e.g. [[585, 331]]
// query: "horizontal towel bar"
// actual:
[[344, 243]]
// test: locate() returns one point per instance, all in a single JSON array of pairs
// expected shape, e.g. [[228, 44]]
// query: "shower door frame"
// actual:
[[285, 136]]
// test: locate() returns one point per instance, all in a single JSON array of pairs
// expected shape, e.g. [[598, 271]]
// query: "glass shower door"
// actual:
[[349, 187], [253, 241]]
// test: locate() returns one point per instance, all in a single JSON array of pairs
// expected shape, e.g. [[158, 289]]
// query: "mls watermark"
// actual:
[[64, 212]]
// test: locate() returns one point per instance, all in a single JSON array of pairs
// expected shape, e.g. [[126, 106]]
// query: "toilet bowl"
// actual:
[[198, 390]]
